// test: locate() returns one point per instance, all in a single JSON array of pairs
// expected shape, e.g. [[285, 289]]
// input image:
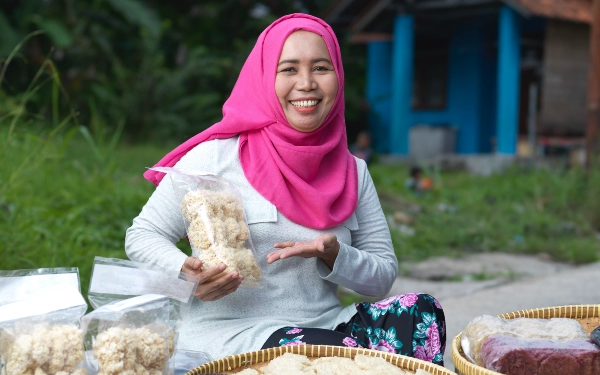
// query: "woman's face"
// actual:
[[306, 83]]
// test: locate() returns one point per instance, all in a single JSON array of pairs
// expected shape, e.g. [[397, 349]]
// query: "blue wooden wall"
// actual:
[[477, 86]]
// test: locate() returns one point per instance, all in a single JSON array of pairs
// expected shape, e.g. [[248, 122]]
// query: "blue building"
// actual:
[[471, 65]]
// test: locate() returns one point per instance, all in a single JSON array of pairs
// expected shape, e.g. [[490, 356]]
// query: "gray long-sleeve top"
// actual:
[[295, 291]]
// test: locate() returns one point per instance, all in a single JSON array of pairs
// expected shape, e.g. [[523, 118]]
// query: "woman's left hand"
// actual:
[[326, 247]]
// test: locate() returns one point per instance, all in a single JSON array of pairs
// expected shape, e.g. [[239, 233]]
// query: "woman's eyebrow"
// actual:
[[321, 59], [298, 61], [289, 62]]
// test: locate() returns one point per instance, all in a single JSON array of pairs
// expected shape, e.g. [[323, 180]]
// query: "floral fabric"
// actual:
[[409, 324]]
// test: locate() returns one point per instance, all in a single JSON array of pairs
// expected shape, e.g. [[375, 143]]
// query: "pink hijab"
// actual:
[[310, 177]]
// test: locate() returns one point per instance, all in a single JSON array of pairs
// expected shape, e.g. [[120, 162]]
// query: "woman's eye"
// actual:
[[287, 70], [320, 68]]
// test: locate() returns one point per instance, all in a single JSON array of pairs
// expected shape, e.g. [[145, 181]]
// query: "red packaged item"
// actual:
[[532, 356]]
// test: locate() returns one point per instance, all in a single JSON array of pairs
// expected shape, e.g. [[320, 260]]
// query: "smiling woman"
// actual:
[[306, 83], [312, 211]]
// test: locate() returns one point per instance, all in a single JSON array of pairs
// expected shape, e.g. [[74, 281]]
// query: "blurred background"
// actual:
[[473, 115]]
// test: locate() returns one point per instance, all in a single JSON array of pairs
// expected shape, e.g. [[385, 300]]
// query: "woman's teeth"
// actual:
[[305, 103]]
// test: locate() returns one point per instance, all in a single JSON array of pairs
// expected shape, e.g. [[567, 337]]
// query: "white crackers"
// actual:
[[297, 364], [218, 232]]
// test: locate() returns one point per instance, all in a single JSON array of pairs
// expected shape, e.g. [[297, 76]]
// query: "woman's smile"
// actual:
[[305, 105]]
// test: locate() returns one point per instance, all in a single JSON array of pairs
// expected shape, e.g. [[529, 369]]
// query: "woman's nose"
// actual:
[[305, 82]]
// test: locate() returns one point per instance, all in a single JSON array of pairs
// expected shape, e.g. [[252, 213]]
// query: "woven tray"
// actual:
[[587, 315], [236, 363]]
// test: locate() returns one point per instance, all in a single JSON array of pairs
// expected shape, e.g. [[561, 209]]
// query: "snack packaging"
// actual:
[[118, 279], [484, 327], [215, 222], [139, 309], [40, 312], [521, 355], [132, 336]]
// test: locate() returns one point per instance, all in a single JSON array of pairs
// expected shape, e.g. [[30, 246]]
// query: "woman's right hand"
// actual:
[[211, 290]]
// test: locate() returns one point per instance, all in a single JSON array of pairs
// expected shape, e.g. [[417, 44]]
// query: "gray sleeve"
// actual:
[[369, 265], [159, 226]]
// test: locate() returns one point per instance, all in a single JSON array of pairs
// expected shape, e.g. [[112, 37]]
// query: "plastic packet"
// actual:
[[132, 336], [18, 285], [525, 355], [215, 222], [40, 312], [483, 327], [118, 279]]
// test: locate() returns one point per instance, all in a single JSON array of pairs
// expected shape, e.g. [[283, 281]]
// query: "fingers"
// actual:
[[220, 287], [213, 283], [273, 256], [283, 245], [320, 247], [304, 249], [211, 272], [192, 266]]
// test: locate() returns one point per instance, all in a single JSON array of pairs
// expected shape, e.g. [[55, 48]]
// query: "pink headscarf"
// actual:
[[310, 177]]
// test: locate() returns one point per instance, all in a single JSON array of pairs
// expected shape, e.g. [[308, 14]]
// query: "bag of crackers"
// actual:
[[215, 222], [40, 312], [139, 309], [132, 336]]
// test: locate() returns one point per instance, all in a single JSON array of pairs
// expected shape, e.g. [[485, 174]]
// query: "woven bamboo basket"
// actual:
[[587, 315], [236, 363]]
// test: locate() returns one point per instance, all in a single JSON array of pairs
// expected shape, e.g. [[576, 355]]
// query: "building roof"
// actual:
[[376, 16], [570, 10]]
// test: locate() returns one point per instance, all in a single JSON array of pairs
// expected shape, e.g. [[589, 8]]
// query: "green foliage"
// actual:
[[136, 13], [163, 69], [518, 211], [9, 37], [56, 31]]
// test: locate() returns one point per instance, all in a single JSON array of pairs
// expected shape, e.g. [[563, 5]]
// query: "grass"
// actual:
[[60, 205], [522, 211]]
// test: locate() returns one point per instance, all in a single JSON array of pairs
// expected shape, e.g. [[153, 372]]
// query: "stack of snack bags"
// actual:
[[40, 312]]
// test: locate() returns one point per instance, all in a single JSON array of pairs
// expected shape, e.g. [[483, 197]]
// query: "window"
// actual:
[[430, 75]]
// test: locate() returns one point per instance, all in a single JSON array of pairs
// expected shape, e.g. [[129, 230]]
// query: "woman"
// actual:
[[313, 213]]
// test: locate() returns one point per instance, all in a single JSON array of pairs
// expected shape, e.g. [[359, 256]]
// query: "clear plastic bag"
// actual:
[[17, 285], [139, 309], [118, 279], [525, 355], [40, 317], [484, 327], [215, 222], [133, 336]]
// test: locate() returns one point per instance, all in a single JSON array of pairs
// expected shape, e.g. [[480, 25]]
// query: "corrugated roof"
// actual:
[[571, 10]]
